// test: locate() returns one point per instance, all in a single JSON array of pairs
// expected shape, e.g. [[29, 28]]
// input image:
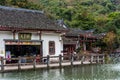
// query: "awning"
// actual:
[[22, 42]]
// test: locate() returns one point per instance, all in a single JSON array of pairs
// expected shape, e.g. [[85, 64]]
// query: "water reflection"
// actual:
[[83, 72]]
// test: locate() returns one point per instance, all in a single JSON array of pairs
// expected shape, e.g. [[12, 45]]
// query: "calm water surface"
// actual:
[[86, 72]]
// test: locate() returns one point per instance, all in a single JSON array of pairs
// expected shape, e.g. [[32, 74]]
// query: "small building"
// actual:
[[26, 32], [83, 39]]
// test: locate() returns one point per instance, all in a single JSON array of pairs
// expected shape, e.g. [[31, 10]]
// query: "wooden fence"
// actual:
[[56, 61]]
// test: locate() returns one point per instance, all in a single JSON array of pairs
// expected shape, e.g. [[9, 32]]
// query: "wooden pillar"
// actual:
[[72, 59], [91, 59], [97, 58], [84, 42], [103, 58], [2, 64], [13, 31], [39, 35], [19, 63], [60, 60], [41, 50], [41, 46], [84, 46], [48, 61], [34, 62], [82, 59]]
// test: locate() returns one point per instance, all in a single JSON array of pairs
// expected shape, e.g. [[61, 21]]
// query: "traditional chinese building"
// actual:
[[28, 32], [76, 38]]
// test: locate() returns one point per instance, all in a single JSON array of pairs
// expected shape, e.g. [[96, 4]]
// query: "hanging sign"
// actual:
[[24, 36]]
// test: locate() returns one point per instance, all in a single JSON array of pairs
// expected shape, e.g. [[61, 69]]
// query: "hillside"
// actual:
[[84, 14], [101, 15], [35, 1]]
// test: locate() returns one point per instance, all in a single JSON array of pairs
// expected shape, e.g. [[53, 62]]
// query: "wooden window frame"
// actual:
[[51, 47]]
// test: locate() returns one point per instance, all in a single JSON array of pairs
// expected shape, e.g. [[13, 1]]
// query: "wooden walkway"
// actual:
[[93, 59], [38, 66]]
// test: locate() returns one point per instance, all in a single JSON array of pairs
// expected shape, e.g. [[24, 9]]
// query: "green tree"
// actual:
[[114, 20], [109, 39], [2, 2], [19, 3]]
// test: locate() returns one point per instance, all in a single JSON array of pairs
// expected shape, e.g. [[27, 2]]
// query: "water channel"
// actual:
[[83, 72]]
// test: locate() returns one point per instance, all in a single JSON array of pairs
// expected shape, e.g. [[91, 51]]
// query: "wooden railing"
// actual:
[[49, 60]]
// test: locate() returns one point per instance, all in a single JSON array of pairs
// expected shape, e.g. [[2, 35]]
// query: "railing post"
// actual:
[[34, 62], [103, 58], [97, 58], [60, 60], [19, 63], [82, 59], [72, 59], [2, 64], [91, 59], [48, 61]]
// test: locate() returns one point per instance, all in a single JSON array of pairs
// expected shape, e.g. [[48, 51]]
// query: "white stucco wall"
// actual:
[[4, 35], [35, 36], [46, 37]]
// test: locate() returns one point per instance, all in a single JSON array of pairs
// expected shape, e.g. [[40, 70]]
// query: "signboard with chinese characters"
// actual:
[[22, 43], [24, 36]]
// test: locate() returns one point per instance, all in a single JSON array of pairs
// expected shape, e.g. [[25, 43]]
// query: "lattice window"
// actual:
[[51, 47]]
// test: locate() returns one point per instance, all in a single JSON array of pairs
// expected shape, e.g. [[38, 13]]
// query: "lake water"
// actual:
[[84, 72]]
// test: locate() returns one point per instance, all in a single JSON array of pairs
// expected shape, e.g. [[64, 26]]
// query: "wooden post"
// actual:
[[82, 59], [48, 62], [34, 62], [97, 58], [91, 59], [103, 58], [60, 60], [19, 63], [72, 59], [2, 64]]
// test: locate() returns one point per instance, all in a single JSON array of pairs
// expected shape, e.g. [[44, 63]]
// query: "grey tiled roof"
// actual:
[[75, 32], [68, 41], [28, 19]]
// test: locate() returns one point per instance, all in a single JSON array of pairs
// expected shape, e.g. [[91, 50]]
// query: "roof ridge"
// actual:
[[21, 9]]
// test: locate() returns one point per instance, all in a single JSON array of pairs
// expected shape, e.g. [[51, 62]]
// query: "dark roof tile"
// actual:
[[25, 18]]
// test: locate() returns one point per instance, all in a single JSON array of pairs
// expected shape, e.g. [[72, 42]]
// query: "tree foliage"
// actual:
[[21, 3], [109, 39], [2, 2], [101, 15]]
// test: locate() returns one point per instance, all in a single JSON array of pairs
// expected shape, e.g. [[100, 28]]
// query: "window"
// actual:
[[51, 47]]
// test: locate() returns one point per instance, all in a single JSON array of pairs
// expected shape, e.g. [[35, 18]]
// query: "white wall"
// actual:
[[4, 35], [46, 37], [35, 36]]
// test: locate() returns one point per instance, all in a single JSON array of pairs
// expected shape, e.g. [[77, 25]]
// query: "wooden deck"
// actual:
[[40, 66], [59, 64]]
